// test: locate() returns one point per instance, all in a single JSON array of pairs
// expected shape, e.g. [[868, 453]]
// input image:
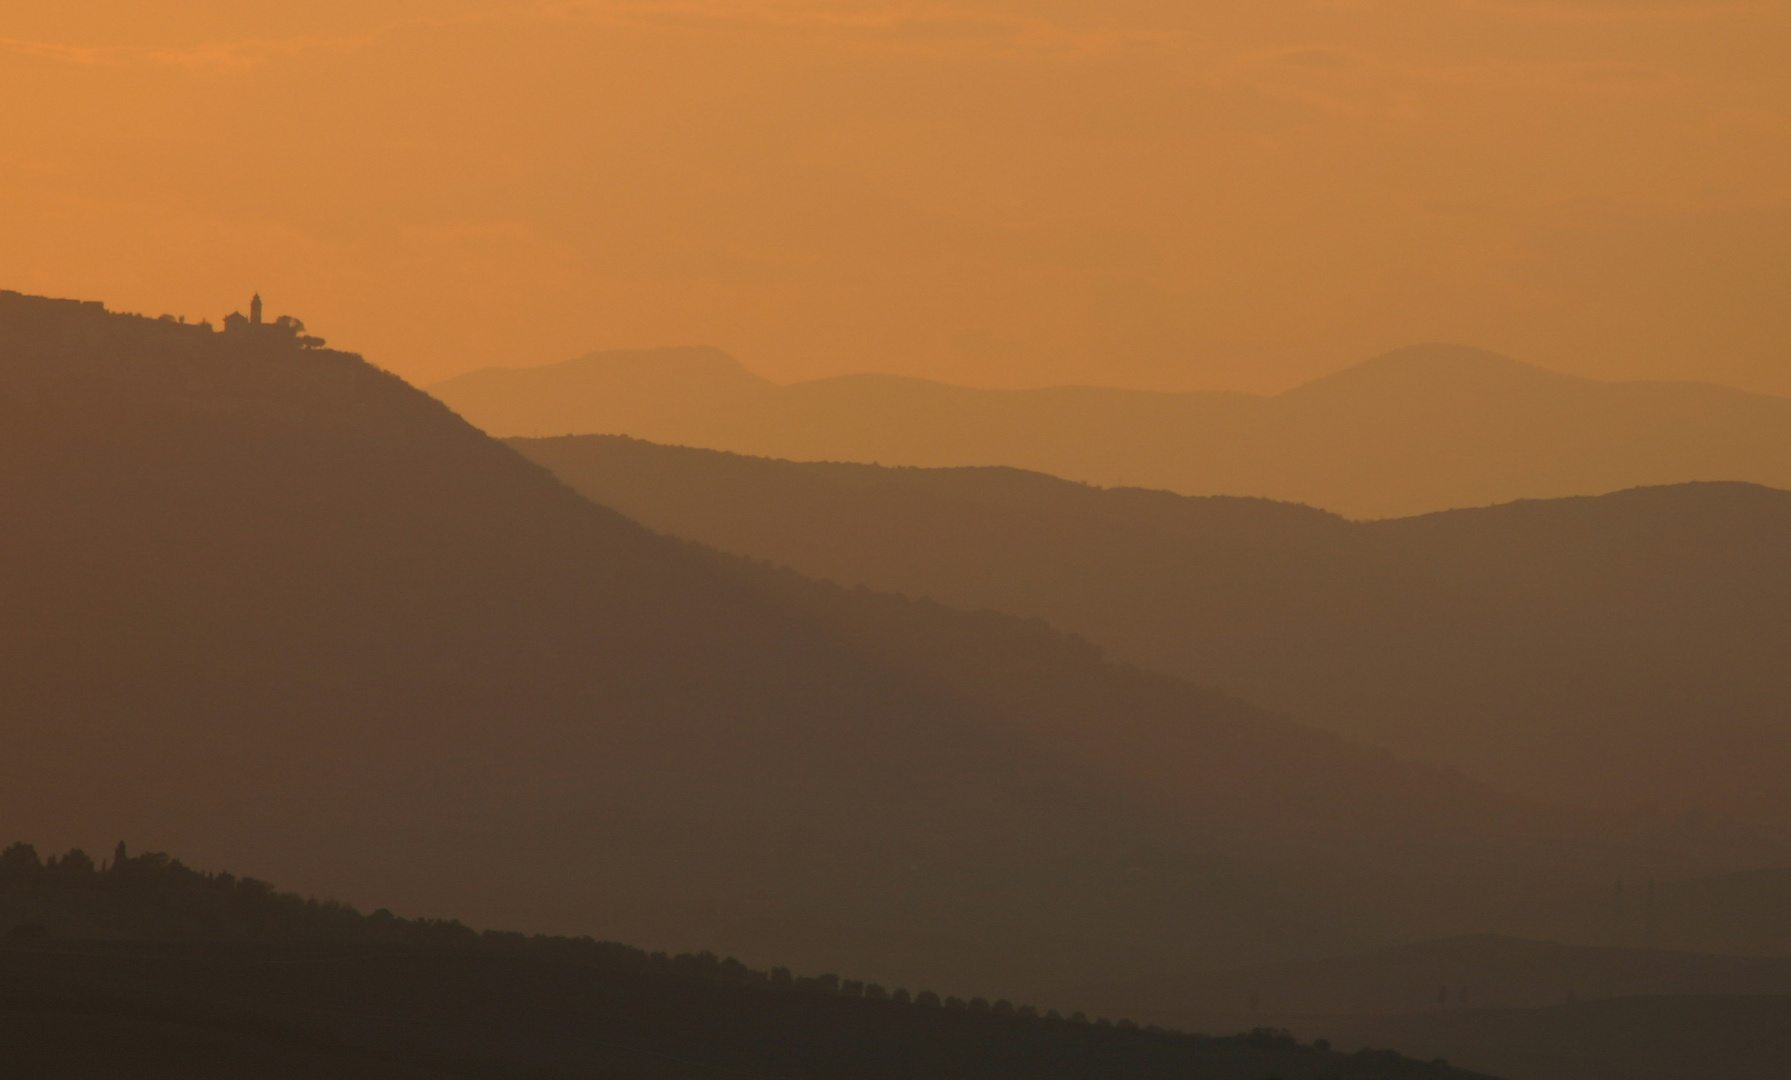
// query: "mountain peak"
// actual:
[[1430, 368], [686, 361]]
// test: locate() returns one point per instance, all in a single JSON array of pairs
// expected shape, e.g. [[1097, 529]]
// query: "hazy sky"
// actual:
[[1156, 193]]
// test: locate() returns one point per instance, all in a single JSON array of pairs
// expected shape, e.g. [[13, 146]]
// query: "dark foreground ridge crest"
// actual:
[[266, 976]]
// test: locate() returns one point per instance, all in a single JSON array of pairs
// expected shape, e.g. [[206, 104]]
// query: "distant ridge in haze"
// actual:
[[1625, 649], [1529, 1010], [1426, 428]]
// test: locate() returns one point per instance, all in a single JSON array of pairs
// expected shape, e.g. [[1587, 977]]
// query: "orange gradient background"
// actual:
[[1146, 193]]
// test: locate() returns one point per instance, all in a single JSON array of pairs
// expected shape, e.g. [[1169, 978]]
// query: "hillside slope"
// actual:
[[1625, 650], [1427, 428], [273, 606]]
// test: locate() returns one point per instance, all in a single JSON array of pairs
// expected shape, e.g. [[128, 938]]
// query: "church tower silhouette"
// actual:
[[255, 310]]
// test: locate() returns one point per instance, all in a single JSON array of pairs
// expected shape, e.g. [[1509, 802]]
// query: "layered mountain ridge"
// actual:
[[273, 607], [1426, 428], [1621, 650]]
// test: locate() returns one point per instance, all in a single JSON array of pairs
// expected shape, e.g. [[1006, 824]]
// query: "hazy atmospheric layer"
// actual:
[[1145, 193], [1424, 428]]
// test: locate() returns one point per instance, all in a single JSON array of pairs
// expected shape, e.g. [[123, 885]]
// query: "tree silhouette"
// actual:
[[19, 857], [75, 861]]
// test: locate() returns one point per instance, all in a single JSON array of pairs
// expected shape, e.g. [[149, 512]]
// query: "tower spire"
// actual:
[[255, 310]]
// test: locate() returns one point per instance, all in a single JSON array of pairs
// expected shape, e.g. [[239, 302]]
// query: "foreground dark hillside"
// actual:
[[203, 976], [1420, 429], [274, 607], [1626, 650]]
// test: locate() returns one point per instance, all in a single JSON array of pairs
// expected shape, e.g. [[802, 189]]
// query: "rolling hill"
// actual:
[[274, 607], [1624, 650], [1427, 428]]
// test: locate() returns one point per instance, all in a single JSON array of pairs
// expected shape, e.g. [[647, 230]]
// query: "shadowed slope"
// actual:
[[276, 607], [1625, 649], [1421, 429]]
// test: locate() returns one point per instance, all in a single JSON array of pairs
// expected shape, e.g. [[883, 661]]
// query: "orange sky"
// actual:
[[1156, 193]]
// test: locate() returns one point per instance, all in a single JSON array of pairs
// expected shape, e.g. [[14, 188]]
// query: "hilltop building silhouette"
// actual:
[[284, 328]]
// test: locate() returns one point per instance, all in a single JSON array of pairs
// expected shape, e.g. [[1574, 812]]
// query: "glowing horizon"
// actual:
[[987, 193]]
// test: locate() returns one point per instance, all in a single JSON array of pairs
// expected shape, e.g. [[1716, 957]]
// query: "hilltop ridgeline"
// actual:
[[52, 318], [1426, 428], [153, 897]]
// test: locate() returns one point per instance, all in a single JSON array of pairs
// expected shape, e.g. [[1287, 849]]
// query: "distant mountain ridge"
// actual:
[[1426, 428], [1625, 649], [1483, 971], [1530, 1010]]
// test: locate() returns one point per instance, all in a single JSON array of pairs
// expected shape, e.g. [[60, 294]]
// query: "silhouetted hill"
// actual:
[[275, 607], [208, 975], [1426, 428], [1626, 650]]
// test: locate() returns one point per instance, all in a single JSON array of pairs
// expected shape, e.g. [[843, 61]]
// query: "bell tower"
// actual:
[[255, 310]]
